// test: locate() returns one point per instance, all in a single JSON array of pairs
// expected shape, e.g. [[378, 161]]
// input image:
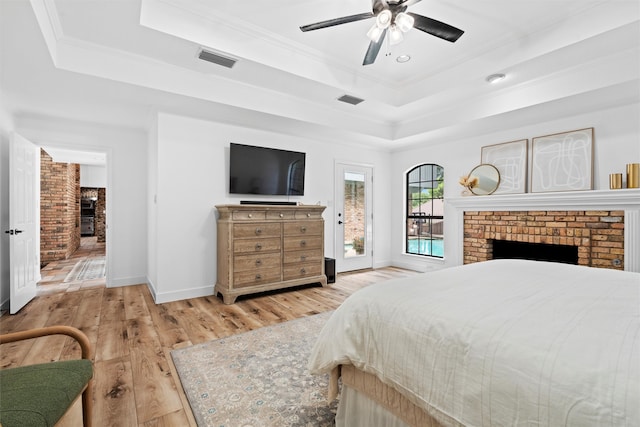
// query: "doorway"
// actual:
[[73, 192], [354, 222]]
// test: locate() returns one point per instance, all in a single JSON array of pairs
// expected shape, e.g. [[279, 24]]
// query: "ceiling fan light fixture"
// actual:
[[374, 33], [404, 22], [383, 20], [395, 35]]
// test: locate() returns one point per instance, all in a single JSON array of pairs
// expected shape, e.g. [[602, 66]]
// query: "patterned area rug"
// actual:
[[258, 378], [87, 269]]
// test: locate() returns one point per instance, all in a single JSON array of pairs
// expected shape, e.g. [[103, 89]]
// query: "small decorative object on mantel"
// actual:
[[615, 181], [468, 182], [483, 180], [633, 175]]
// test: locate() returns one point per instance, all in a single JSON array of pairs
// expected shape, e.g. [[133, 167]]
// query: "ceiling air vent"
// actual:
[[216, 58], [350, 99]]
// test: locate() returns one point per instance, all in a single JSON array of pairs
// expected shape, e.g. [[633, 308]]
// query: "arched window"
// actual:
[[425, 211]]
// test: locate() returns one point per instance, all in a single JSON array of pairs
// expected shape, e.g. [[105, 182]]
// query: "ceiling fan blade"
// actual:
[[337, 21], [374, 48], [436, 28], [408, 3]]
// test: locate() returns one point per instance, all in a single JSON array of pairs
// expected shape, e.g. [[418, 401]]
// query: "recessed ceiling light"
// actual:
[[495, 78], [403, 58]]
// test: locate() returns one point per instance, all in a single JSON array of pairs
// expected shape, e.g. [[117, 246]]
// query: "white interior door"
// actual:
[[24, 250], [354, 235]]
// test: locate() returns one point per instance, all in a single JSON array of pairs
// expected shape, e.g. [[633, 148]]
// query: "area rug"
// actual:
[[257, 378], [88, 269]]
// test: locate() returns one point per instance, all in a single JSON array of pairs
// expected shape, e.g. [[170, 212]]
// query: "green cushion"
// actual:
[[39, 395]]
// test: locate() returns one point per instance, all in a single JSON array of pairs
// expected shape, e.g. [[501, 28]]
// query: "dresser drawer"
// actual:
[[257, 245], [299, 271], [248, 215], [256, 277], [303, 228], [260, 229], [308, 214], [256, 262], [280, 215], [297, 257], [302, 242]]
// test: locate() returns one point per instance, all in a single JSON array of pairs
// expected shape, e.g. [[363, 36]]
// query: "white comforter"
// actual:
[[499, 343]]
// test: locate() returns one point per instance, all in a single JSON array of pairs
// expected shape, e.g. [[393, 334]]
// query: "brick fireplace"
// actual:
[[597, 235], [603, 225]]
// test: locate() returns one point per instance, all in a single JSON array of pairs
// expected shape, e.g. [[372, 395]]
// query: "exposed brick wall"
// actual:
[[59, 209], [599, 235], [100, 220]]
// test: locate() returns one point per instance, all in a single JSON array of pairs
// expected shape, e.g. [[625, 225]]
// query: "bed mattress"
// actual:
[[503, 342]]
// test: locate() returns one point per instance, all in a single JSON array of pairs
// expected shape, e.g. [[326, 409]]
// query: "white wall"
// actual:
[[617, 142], [93, 176], [126, 152], [6, 126], [152, 211], [192, 163]]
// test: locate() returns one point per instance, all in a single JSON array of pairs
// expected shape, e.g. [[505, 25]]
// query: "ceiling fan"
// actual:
[[391, 15]]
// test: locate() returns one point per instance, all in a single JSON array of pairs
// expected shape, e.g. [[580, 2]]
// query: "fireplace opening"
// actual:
[[507, 249]]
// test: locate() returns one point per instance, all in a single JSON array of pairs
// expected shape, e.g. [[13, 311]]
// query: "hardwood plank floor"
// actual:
[[135, 381]]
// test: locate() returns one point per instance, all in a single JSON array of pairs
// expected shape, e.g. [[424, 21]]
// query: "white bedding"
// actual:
[[499, 343]]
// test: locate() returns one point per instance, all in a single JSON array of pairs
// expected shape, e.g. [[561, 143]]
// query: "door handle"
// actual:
[[339, 222], [9, 231], [12, 231], [18, 231]]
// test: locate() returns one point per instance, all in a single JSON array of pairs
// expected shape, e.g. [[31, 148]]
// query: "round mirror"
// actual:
[[485, 179]]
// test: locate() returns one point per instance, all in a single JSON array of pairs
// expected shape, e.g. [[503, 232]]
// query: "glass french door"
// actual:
[[353, 217]]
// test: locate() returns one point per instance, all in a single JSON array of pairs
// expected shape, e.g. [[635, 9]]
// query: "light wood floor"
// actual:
[[135, 380]]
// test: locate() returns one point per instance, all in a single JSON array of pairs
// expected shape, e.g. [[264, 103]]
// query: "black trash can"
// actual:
[[330, 269]]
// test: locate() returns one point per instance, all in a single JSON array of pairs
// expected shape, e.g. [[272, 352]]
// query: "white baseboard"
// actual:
[[382, 264], [162, 297], [419, 264], [126, 281]]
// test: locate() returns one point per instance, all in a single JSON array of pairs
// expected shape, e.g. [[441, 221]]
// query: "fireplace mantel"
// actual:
[[627, 200]]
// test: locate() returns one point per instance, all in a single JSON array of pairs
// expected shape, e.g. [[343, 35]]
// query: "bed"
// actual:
[[496, 343]]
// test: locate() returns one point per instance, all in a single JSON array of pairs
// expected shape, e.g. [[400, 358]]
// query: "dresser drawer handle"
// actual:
[[258, 231], [250, 216], [258, 262], [303, 243], [303, 229], [308, 215], [258, 276], [258, 246], [303, 258], [303, 271], [281, 215]]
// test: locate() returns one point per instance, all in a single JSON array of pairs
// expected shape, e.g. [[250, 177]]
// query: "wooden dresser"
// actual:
[[266, 247]]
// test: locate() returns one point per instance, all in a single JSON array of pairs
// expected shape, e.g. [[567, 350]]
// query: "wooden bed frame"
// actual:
[[382, 394]]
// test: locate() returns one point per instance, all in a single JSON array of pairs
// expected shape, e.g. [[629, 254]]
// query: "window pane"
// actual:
[[354, 218], [425, 210], [426, 173], [414, 175], [439, 172]]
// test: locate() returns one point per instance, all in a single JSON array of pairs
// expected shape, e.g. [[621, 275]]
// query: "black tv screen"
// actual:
[[260, 170]]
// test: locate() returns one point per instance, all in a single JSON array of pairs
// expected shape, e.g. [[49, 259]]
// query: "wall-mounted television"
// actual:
[[267, 171]]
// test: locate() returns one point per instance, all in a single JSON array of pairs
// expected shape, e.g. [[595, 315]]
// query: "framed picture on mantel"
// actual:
[[510, 158], [562, 161]]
